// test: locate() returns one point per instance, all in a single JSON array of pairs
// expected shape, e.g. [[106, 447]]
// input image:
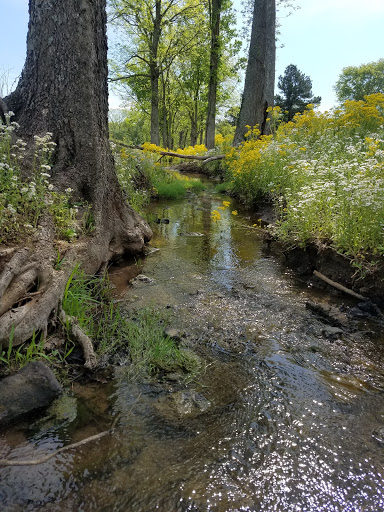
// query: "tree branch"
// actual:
[[128, 77], [203, 158]]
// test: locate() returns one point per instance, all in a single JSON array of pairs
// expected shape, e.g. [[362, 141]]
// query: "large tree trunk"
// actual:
[[215, 8], [63, 90], [155, 75], [260, 75]]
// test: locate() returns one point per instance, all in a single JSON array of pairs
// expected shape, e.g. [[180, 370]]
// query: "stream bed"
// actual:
[[286, 414]]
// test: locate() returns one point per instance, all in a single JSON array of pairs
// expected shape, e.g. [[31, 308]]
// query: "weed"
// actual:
[[17, 357]]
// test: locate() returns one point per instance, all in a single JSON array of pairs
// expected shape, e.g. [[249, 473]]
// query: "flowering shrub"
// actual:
[[325, 173], [23, 201]]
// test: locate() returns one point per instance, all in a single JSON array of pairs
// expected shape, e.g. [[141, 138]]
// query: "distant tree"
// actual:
[[157, 32], [232, 114], [355, 82], [296, 91]]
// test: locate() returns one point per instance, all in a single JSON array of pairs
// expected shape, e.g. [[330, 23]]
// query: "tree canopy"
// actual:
[[175, 59], [355, 82]]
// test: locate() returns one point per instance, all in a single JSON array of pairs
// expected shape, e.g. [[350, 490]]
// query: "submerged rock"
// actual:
[[378, 435], [182, 403], [61, 412], [33, 387], [141, 278], [173, 333]]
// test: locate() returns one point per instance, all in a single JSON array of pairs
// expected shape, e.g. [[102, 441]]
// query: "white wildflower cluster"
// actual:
[[344, 180], [22, 201]]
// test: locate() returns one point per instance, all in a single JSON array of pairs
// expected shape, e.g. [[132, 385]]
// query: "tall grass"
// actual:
[[139, 338]]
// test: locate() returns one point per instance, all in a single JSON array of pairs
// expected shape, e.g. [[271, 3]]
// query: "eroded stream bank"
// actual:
[[287, 413]]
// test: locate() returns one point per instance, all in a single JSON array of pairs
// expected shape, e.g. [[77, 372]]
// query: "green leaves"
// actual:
[[296, 91], [355, 82]]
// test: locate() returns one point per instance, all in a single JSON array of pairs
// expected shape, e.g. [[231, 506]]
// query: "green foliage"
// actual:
[[356, 82], [224, 188], [139, 339], [129, 126], [167, 51], [14, 358], [82, 297], [173, 190], [141, 178], [324, 172], [296, 91]]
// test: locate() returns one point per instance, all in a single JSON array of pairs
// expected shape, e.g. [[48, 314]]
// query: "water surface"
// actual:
[[294, 415]]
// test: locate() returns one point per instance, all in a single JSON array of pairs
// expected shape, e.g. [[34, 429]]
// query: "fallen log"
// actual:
[[172, 154]]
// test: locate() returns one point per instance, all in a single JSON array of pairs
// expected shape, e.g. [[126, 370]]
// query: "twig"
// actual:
[[45, 458], [338, 286]]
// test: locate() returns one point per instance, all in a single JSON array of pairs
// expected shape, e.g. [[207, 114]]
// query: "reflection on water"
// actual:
[[291, 415]]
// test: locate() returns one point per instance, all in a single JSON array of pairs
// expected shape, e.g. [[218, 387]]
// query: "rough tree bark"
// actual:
[[215, 7], [155, 75], [63, 90], [260, 75]]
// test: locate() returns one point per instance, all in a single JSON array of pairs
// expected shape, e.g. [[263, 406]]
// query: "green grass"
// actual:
[[139, 338], [142, 178], [224, 188], [173, 190], [15, 358], [152, 349]]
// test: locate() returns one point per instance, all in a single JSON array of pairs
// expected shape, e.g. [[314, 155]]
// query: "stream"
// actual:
[[286, 414]]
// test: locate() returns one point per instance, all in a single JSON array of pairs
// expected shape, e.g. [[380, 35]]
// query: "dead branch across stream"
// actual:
[[203, 158]]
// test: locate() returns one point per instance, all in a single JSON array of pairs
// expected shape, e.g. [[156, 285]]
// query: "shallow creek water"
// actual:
[[292, 418]]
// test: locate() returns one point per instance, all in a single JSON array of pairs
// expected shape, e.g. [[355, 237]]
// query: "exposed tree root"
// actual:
[[7, 251], [85, 342], [18, 290], [13, 268], [32, 289]]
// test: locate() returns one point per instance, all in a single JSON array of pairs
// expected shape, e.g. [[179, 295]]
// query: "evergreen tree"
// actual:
[[296, 91]]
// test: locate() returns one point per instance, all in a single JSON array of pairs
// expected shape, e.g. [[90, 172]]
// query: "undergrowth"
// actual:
[[325, 174], [22, 201], [143, 178], [137, 339]]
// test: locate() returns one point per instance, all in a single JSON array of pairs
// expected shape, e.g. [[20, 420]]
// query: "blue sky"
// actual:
[[320, 38]]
